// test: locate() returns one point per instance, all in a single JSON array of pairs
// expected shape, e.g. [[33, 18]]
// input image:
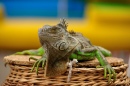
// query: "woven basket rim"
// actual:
[[24, 60], [88, 76]]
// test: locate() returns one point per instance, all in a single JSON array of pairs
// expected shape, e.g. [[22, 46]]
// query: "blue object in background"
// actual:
[[43, 8], [76, 8], [31, 8]]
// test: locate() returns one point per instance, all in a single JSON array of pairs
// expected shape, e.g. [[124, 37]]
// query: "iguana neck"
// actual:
[[55, 64]]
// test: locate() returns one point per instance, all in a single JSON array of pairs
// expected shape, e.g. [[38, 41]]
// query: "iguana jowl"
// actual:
[[59, 46]]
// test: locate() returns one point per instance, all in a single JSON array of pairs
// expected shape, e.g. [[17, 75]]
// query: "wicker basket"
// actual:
[[83, 74]]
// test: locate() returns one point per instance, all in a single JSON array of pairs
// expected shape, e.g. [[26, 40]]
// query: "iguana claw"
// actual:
[[111, 73], [108, 69], [38, 62]]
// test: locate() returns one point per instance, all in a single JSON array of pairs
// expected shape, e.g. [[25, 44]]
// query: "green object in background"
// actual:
[[111, 4]]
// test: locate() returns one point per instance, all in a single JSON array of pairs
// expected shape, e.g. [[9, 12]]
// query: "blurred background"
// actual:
[[105, 23]]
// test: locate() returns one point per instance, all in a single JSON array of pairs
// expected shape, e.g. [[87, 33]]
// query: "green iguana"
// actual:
[[59, 46]]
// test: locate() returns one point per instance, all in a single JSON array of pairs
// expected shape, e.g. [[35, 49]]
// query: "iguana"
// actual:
[[59, 46]]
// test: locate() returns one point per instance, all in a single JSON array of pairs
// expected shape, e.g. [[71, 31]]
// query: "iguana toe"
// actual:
[[39, 62], [111, 73], [32, 58]]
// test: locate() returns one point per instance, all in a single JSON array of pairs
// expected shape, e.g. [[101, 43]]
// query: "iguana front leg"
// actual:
[[38, 62], [38, 52], [99, 53], [107, 68]]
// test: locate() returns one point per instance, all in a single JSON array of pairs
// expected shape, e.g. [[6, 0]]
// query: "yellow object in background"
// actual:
[[103, 26], [110, 24]]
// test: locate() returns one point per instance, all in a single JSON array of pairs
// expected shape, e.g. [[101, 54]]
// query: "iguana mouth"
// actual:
[[44, 33]]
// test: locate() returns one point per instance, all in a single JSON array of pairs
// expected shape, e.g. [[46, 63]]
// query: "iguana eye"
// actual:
[[51, 31], [54, 30]]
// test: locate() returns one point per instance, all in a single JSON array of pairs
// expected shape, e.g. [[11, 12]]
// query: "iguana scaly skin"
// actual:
[[60, 46]]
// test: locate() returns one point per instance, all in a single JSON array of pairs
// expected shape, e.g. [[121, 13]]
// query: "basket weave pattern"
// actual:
[[20, 75]]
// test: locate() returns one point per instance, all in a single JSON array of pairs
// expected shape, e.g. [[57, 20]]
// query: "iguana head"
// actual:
[[56, 35]]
